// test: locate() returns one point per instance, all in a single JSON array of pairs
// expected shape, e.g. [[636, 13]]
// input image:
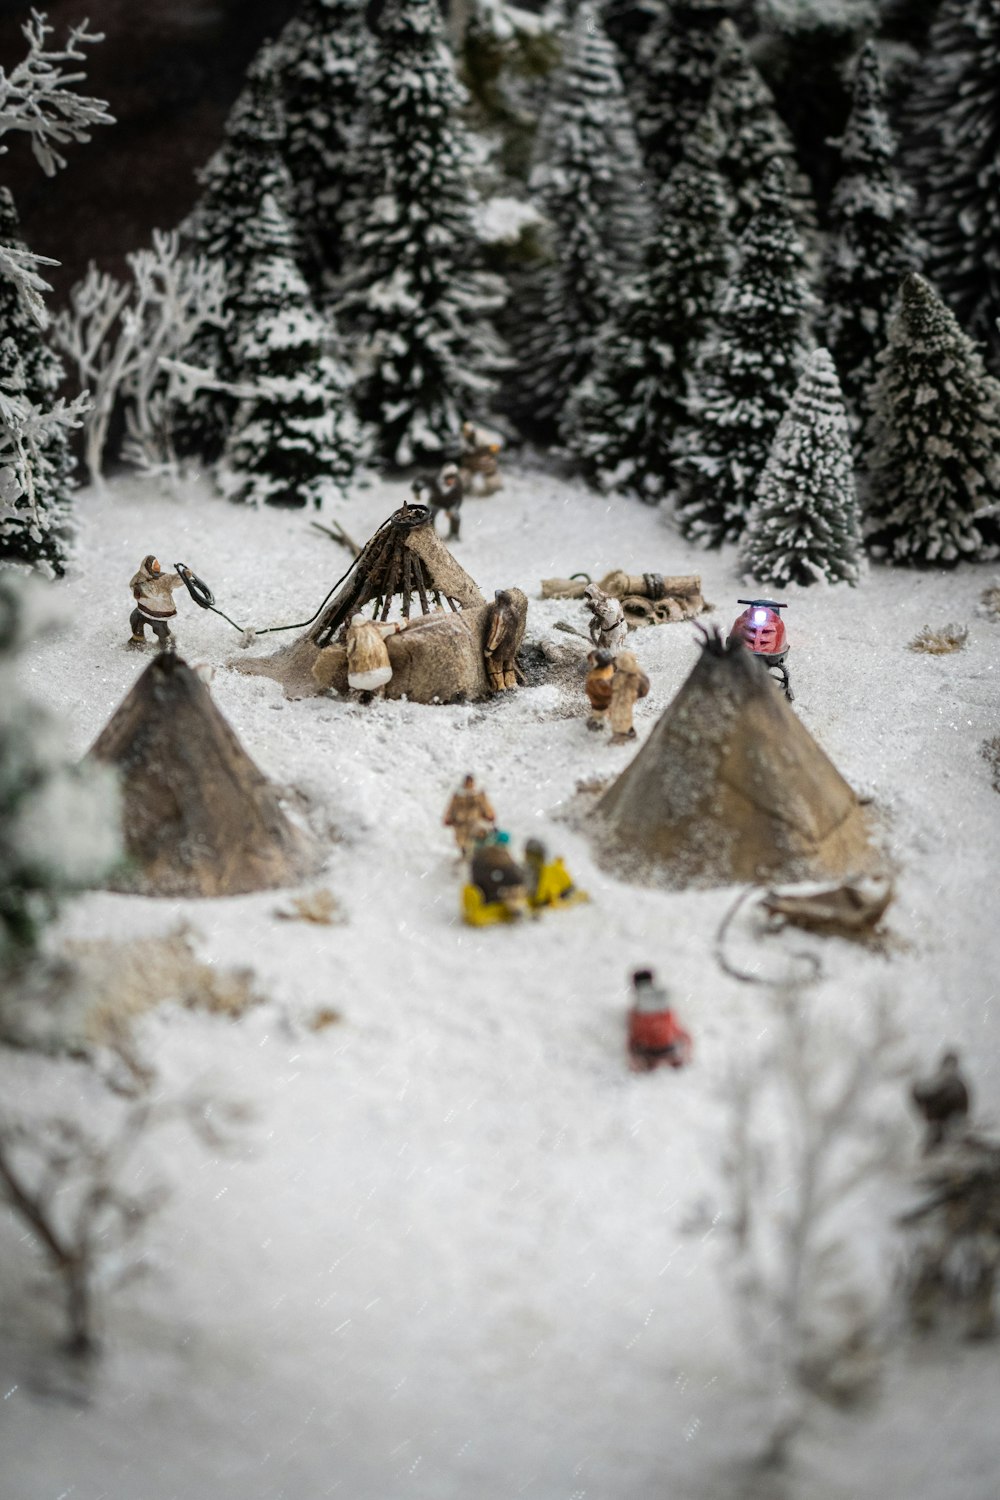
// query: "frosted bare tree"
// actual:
[[119, 335], [24, 428], [69, 1179], [814, 1120]]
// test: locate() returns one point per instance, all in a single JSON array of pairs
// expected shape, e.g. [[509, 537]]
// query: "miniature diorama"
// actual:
[[731, 786], [153, 591], [645, 598], [480, 460], [500, 889], [443, 492], [469, 815], [199, 818], [763, 632], [656, 1038], [444, 655]]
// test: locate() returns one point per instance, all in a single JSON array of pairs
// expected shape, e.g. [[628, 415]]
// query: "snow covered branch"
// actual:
[[24, 430], [18, 265], [37, 95]]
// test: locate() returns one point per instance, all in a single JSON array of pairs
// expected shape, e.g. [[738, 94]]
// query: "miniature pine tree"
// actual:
[[745, 374], [934, 477], [322, 56], [871, 246], [627, 23], [754, 135], [803, 525], [621, 420], [418, 308], [33, 531], [954, 116], [680, 62], [58, 821], [297, 441], [247, 165], [587, 177]]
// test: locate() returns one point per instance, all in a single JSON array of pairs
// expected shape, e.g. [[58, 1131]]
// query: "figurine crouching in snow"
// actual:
[[628, 683], [655, 1036], [608, 627], [443, 492], [368, 664], [153, 591]]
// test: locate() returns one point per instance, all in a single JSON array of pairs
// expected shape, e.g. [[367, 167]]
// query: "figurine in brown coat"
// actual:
[[469, 815], [628, 683], [152, 590], [503, 636], [480, 459], [598, 687]]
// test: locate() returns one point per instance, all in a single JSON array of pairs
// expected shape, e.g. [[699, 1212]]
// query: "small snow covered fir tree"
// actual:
[[622, 419], [753, 135], [59, 822], [679, 59], [627, 23], [587, 181], [933, 495], [297, 441], [871, 246], [954, 119], [804, 524], [746, 374], [417, 306], [322, 57]]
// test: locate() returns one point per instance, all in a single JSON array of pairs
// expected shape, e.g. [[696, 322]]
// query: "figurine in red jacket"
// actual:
[[655, 1036]]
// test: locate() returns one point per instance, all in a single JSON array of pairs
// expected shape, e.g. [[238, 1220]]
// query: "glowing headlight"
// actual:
[[760, 616]]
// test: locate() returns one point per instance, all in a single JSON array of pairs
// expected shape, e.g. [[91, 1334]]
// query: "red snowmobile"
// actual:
[[763, 632]]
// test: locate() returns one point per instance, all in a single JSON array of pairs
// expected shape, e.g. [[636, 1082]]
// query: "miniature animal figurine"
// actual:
[[655, 1036], [763, 632], [608, 627], [598, 687], [628, 683], [498, 886], [504, 631], [480, 459], [549, 881], [469, 815], [153, 591], [368, 664], [943, 1100], [443, 491]]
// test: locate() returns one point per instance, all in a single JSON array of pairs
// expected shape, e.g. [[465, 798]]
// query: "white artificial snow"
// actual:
[[465, 1252]]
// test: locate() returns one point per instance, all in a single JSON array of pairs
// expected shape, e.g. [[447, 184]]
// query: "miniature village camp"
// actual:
[[577, 426]]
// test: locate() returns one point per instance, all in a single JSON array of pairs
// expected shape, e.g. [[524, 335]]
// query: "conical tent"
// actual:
[[731, 787], [200, 819]]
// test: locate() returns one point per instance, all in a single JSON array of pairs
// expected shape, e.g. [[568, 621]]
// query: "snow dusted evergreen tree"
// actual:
[[622, 419], [627, 23], [298, 440], [32, 529], [746, 373], [955, 117], [247, 165], [680, 62], [871, 246], [587, 178], [59, 820], [321, 58], [934, 477], [420, 310], [754, 135], [804, 525]]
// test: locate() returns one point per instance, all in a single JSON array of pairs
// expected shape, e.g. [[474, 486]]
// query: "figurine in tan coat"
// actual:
[[368, 664], [469, 815], [598, 687], [628, 683], [152, 590]]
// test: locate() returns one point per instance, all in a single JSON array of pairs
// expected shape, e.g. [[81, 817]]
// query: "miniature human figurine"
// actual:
[[480, 450], [655, 1036], [443, 491], [497, 876], [943, 1100], [549, 881], [608, 628], [153, 590], [469, 815], [628, 683], [598, 686], [368, 664], [503, 636]]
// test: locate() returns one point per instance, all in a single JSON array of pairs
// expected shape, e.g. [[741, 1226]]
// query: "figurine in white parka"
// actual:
[[608, 627], [368, 664]]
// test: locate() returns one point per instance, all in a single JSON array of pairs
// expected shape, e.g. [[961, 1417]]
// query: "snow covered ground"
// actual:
[[466, 1252]]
